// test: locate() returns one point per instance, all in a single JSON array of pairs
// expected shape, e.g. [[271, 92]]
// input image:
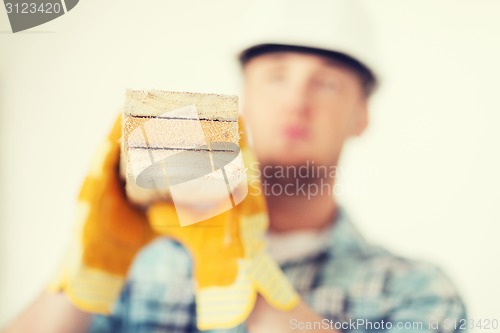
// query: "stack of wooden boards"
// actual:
[[182, 148]]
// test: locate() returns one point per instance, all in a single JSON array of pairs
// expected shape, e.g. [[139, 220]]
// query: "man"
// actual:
[[308, 77]]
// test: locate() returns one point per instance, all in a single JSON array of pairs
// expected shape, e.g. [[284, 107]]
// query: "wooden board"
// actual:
[[171, 138]]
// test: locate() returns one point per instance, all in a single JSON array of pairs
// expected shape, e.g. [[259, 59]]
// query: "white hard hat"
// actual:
[[339, 26]]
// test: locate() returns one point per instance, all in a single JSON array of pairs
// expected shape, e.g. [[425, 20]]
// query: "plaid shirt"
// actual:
[[359, 286]]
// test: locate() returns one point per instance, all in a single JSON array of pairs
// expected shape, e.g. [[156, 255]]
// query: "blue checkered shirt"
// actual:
[[350, 281]]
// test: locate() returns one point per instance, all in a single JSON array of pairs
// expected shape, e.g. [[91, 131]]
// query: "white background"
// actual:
[[424, 180]]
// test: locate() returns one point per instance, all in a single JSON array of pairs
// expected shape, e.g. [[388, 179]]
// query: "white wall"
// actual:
[[431, 153]]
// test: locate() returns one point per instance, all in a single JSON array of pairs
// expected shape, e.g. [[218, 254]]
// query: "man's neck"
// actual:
[[299, 212]]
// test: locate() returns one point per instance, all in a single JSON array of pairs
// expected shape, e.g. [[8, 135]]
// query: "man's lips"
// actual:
[[296, 132]]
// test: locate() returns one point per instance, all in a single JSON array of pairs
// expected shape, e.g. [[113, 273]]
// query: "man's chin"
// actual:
[[292, 161], [296, 157]]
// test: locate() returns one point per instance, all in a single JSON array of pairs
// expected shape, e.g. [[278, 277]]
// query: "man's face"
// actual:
[[301, 107]]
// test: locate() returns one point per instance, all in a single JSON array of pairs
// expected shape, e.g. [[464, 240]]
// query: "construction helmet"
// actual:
[[336, 27]]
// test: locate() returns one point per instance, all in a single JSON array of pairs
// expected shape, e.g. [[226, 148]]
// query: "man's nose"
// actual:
[[297, 103]]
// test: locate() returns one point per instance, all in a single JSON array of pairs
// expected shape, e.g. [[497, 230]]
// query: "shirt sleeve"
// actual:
[[423, 300], [158, 295], [387, 294], [113, 322]]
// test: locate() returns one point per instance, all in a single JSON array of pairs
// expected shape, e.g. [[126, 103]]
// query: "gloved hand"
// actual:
[[231, 264]]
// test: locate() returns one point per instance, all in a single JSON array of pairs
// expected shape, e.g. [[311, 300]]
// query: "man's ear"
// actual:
[[360, 119]]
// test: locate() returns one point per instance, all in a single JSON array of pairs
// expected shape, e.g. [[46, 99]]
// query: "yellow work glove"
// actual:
[[231, 264]]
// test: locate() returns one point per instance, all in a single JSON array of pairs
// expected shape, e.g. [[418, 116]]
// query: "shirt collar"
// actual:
[[339, 239], [345, 239]]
